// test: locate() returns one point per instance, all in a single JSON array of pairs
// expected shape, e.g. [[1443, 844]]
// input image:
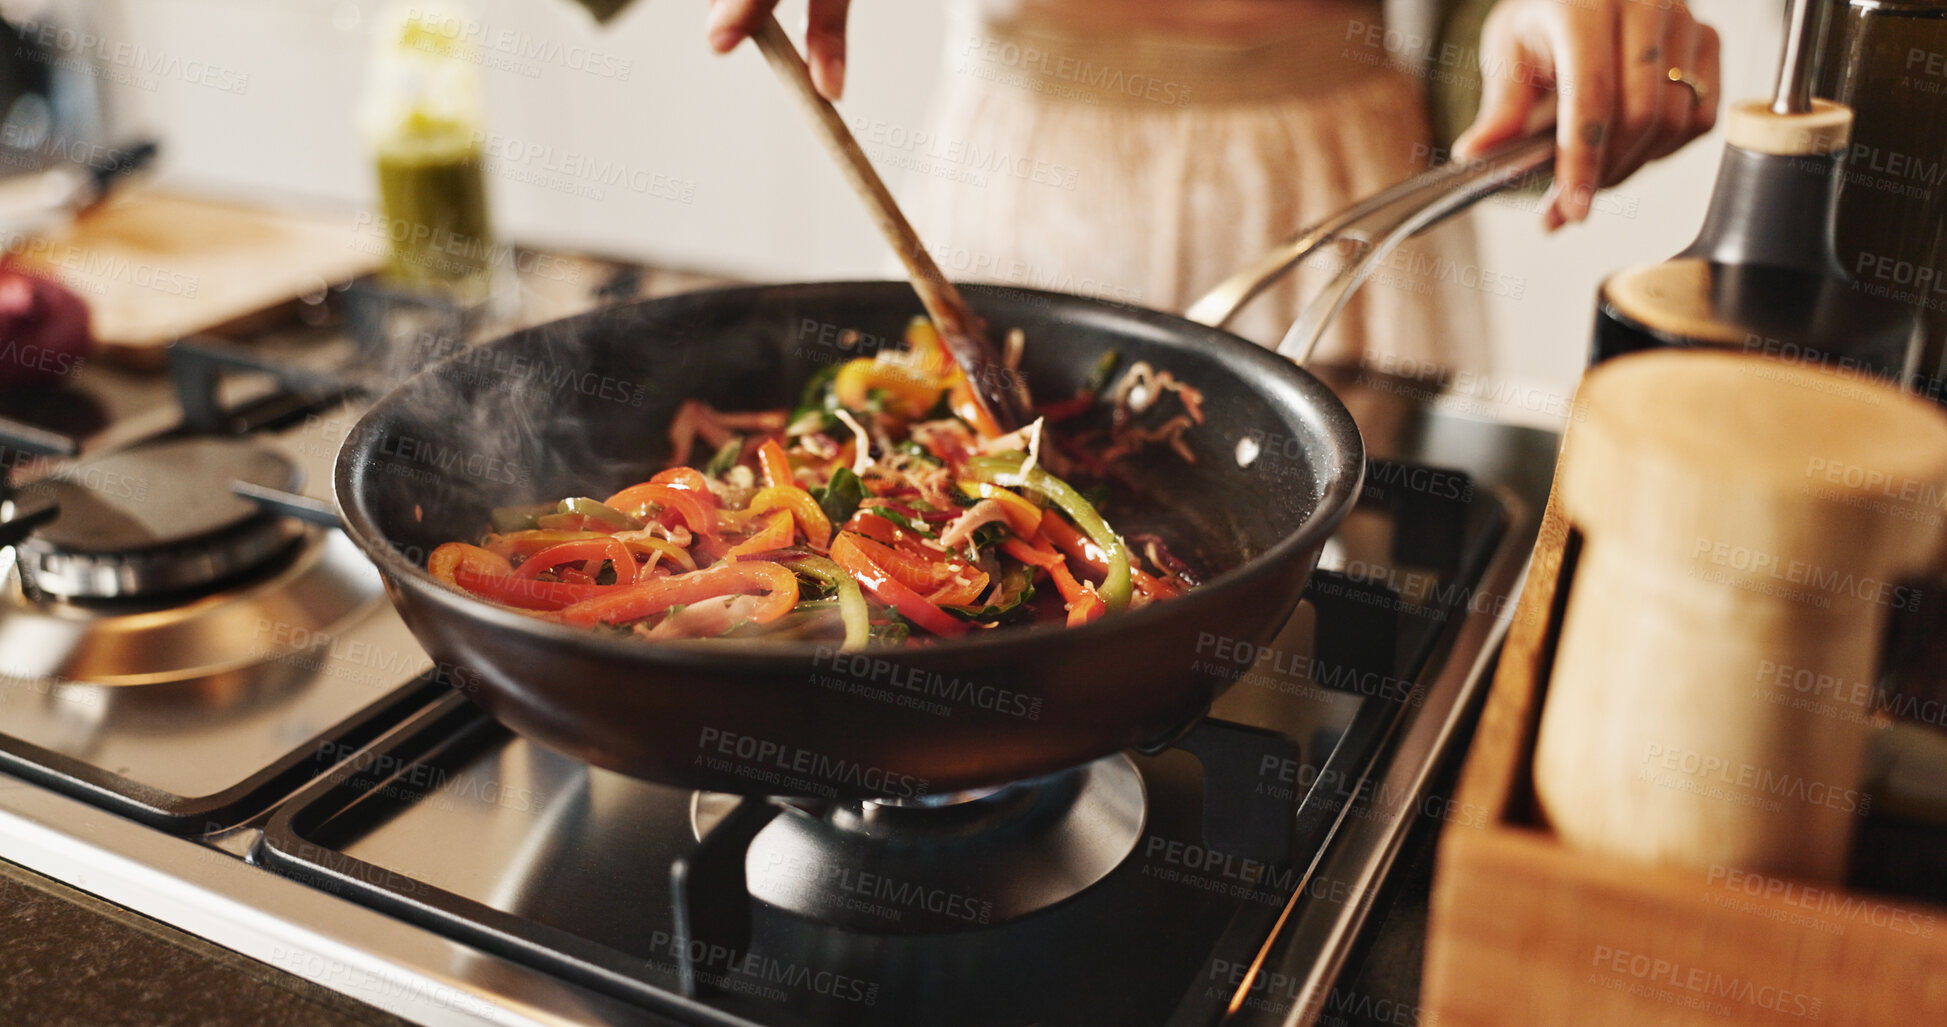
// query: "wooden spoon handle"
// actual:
[[960, 328]]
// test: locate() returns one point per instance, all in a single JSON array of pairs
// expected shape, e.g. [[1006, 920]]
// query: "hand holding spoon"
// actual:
[[960, 328]]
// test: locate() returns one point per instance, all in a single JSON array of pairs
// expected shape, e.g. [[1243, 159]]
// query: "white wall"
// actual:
[[762, 200]]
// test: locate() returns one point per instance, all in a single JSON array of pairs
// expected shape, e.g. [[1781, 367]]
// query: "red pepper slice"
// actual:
[[914, 565], [446, 561], [584, 551], [689, 479], [735, 577], [1079, 547], [858, 555], [1086, 608], [533, 540], [1063, 409], [488, 575], [960, 589], [635, 499], [874, 527], [528, 593], [1029, 555], [777, 468], [1071, 590], [1083, 602]]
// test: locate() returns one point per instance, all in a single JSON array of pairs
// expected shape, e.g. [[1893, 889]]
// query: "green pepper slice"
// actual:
[[1004, 469]]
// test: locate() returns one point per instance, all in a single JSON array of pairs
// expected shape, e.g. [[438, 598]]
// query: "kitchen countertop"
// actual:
[[69, 959]]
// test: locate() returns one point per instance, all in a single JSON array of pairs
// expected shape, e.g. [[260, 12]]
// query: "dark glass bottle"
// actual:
[[1887, 60], [1764, 275]]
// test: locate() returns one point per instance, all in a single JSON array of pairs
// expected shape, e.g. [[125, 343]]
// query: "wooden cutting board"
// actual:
[[155, 267]]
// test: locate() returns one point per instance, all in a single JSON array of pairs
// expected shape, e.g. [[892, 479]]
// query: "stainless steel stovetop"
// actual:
[[306, 789]]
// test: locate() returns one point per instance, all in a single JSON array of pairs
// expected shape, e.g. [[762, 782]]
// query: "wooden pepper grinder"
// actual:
[[1747, 528]]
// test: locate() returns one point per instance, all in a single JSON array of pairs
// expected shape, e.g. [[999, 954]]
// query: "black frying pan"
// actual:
[[581, 407]]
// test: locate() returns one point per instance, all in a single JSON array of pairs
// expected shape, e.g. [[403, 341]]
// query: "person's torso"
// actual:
[[1205, 22]]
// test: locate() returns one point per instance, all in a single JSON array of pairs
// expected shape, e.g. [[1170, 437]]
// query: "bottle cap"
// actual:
[[1753, 125]]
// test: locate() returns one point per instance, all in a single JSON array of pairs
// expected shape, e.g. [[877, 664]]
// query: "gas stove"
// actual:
[[211, 715]]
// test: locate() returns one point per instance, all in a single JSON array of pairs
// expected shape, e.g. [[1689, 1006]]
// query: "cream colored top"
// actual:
[[1209, 22], [1142, 150]]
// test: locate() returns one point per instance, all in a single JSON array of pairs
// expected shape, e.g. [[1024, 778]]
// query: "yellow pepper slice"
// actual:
[[805, 510], [908, 393], [1023, 517]]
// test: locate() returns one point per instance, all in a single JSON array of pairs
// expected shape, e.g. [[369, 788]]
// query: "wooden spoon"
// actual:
[[994, 387]]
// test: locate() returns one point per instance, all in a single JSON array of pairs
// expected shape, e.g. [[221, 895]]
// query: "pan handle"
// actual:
[[1376, 225]]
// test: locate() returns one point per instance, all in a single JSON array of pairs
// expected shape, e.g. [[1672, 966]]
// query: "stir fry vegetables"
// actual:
[[883, 510]]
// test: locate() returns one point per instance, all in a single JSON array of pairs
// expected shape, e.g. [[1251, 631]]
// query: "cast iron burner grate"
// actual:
[[176, 645], [157, 519]]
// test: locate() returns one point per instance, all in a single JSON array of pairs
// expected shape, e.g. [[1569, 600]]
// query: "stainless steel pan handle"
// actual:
[[1376, 226]]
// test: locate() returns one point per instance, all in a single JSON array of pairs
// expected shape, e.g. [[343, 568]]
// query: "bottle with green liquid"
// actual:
[[424, 118]]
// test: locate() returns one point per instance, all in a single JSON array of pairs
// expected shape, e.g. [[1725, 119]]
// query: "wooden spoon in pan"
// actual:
[[962, 330]]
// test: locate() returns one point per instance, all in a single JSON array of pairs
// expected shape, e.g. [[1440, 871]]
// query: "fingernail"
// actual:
[[1551, 199], [1584, 202], [723, 38]]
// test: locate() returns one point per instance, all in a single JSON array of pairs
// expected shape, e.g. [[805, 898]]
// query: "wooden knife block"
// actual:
[[1527, 928]]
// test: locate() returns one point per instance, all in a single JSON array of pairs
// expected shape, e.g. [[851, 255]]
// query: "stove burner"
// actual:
[[273, 617], [945, 865], [156, 519]]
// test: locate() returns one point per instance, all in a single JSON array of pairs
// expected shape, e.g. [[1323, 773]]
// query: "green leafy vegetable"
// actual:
[[992, 533], [851, 599], [914, 449], [1007, 602], [911, 524], [895, 631], [841, 496], [814, 412]]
